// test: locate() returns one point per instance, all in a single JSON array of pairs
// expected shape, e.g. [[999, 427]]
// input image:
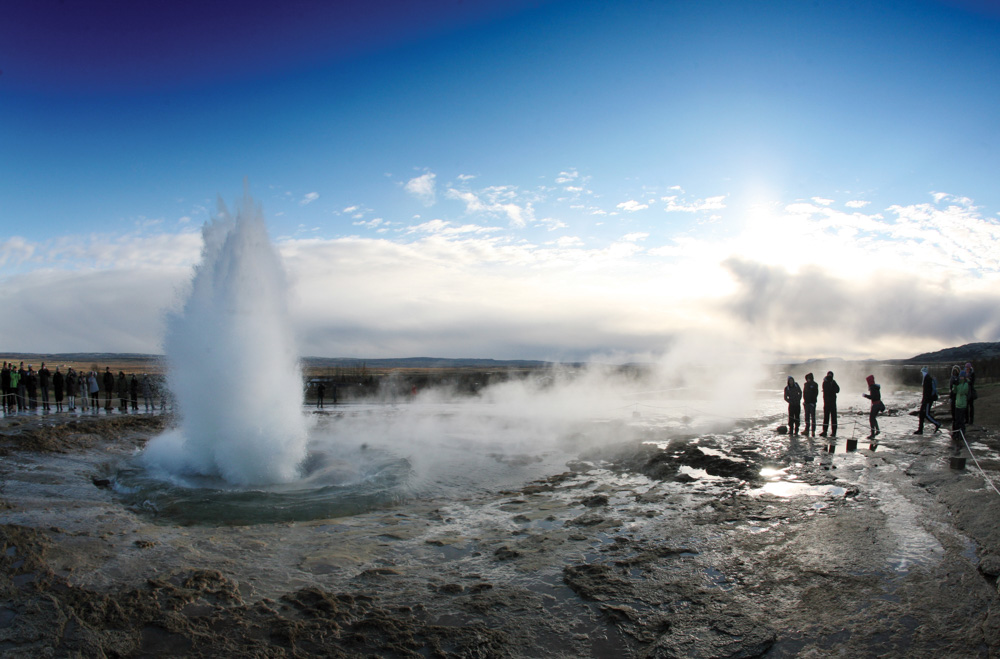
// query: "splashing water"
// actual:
[[233, 366]]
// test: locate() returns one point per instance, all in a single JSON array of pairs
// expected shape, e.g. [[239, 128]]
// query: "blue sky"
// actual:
[[557, 180]]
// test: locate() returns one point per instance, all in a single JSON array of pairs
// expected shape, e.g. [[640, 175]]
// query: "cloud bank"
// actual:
[[804, 279]]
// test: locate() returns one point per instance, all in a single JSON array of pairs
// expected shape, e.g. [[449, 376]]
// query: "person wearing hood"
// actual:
[[109, 388], [121, 388], [810, 393], [830, 391], [960, 394], [793, 396], [875, 396], [955, 370], [926, 401], [58, 383], [971, 375]]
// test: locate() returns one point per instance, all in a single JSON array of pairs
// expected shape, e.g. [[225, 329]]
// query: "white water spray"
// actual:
[[233, 366]]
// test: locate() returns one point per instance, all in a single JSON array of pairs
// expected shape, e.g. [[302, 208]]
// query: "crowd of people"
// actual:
[[26, 390], [961, 391]]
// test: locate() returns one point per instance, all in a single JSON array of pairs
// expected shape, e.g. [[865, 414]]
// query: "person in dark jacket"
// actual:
[[971, 378], [44, 379], [5, 387], [926, 401], [793, 396], [810, 393], [31, 386], [109, 388], [955, 370], [72, 386], [22, 388], [830, 391], [122, 391], [875, 396], [58, 383], [961, 394], [133, 392]]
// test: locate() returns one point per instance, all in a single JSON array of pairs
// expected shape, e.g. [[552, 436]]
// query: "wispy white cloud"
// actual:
[[674, 204], [822, 201], [423, 187], [309, 198], [857, 203], [632, 206]]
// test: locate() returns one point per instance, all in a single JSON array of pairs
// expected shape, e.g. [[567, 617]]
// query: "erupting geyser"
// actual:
[[233, 366]]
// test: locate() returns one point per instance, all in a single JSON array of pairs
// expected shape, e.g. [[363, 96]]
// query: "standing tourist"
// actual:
[[31, 385], [971, 375], [122, 392], [22, 388], [95, 392], [955, 370], [71, 388], [58, 383], [44, 379], [960, 394], [810, 393], [793, 396], [5, 387], [109, 388], [875, 396], [320, 390], [927, 399], [133, 392], [147, 393], [830, 391]]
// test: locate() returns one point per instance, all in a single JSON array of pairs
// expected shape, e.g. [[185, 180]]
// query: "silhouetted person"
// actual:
[[971, 375], [875, 396], [72, 384], [793, 396], [58, 387], [122, 391], [22, 388], [830, 391], [31, 386], [109, 388], [927, 398], [5, 387], [133, 392], [320, 390], [810, 393], [44, 379], [955, 370]]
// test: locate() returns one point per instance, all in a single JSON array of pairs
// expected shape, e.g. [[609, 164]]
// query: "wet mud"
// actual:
[[744, 543]]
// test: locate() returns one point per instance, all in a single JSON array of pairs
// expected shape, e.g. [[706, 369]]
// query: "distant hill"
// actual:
[[970, 352], [103, 358]]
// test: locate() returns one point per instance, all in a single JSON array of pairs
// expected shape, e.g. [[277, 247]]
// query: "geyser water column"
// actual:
[[233, 366]]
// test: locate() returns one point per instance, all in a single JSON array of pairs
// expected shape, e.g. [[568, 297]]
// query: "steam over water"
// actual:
[[233, 366]]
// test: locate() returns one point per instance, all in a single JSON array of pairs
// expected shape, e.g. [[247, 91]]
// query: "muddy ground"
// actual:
[[677, 548]]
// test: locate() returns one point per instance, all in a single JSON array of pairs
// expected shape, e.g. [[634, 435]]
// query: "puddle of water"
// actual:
[[795, 489]]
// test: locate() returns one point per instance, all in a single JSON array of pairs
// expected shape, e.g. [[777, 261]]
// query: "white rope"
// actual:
[[971, 454]]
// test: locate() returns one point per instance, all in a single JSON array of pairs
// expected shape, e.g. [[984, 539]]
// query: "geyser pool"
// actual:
[[233, 365]]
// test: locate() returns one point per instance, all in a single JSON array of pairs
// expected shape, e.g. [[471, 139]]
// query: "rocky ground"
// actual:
[[679, 548]]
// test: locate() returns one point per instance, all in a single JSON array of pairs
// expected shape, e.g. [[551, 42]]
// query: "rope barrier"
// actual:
[[972, 455]]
